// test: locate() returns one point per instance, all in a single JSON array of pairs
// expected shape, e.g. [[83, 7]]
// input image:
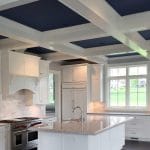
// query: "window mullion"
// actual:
[[127, 87]]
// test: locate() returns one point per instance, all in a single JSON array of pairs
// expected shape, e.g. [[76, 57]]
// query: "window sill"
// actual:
[[127, 109]]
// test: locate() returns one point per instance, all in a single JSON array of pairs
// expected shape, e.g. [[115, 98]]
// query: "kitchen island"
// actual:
[[95, 133]]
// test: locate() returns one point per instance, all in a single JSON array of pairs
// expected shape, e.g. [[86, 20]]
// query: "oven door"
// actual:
[[19, 139], [32, 137]]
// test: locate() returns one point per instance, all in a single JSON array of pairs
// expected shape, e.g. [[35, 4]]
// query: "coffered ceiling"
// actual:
[[93, 30]]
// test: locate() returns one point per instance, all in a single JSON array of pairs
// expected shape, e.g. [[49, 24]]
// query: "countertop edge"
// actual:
[[121, 113], [43, 129]]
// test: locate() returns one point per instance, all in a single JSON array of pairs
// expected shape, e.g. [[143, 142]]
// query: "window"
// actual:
[[51, 88], [50, 108], [127, 86]]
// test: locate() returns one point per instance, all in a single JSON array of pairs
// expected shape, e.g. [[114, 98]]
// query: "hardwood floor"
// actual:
[[135, 145]]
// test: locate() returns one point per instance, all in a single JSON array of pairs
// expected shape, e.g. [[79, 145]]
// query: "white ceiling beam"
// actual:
[[135, 22], [105, 50], [126, 24], [57, 56], [18, 31], [9, 44], [103, 16], [6, 4], [88, 31], [66, 48], [98, 59], [139, 39], [74, 33], [72, 50]]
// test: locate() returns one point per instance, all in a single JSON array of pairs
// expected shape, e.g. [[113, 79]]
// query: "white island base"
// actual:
[[109, 139]]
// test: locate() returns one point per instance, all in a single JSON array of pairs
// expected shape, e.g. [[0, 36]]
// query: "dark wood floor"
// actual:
[[135, 145]]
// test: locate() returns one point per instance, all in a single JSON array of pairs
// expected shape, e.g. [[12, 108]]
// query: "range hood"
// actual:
[[17, 83]]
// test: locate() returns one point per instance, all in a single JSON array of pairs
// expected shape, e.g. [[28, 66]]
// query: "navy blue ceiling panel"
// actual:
[[39, 50], [2, 37], [76, 61], [128, 7], [104, 41], [145, 34], [44, 15]]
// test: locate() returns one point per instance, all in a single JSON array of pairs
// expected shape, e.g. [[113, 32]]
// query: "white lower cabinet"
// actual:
[[110, 139], [4, 137], [138, 129], [70, 99]]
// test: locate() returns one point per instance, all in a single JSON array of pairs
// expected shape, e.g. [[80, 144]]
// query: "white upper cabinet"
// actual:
[[44, 68], [31, 64], [67, 73], [96, 82], [16, 63], [22, 64], [74, 73], [80, 73], [41, 96]]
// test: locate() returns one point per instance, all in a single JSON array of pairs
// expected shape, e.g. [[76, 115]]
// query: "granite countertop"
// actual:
[[91, 126], [146, 113]]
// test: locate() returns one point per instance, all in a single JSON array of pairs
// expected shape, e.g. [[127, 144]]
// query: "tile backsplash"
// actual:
[[15, 106]]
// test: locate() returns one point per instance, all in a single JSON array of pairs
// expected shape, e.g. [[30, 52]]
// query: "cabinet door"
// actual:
[[41, 95], [44, 90], [67, 74], [80, 99], [67, 103], [7, 138], [96, 82], [44, 68], [3, 138], [79, 73], [31, 66], [16, 63]]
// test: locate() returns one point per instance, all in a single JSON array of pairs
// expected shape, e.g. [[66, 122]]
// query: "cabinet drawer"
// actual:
[[133, 133], [134, 124]]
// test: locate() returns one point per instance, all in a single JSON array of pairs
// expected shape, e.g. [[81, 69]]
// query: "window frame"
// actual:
[[127, 78], [54, 89]]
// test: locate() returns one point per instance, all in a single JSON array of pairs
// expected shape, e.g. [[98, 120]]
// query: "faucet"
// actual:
[[78, 107]]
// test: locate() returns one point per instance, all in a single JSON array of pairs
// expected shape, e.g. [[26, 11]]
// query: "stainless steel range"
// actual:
[[21, 137]]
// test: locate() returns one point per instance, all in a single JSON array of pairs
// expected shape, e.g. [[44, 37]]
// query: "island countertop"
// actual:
[[132, 113], [91, 126]]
